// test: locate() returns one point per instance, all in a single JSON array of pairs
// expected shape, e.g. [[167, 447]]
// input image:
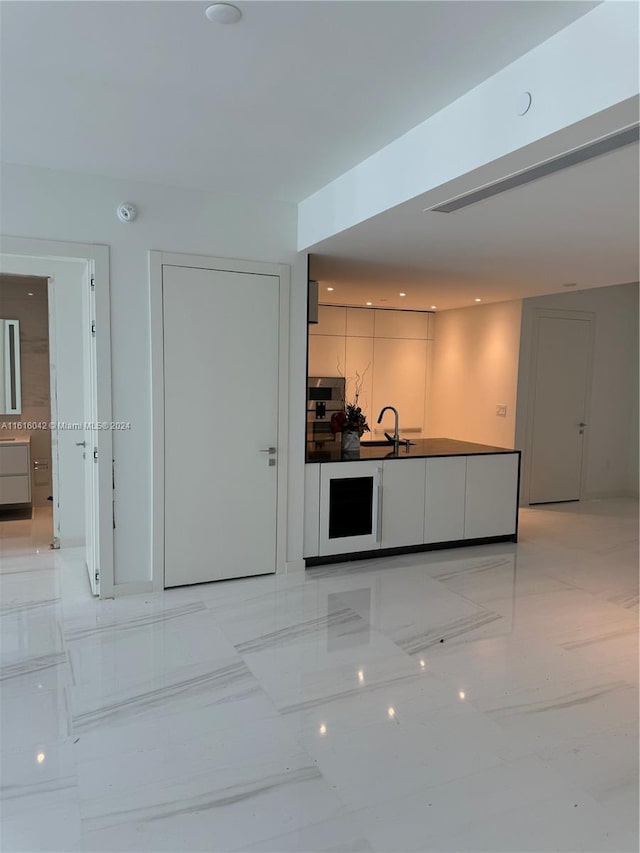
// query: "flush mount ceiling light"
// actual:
[[223, 13]]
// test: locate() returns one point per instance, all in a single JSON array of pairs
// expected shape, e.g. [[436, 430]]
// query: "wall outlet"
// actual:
[[501, 410]]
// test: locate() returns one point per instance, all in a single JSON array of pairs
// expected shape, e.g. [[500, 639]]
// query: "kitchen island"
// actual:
[[435, 493]]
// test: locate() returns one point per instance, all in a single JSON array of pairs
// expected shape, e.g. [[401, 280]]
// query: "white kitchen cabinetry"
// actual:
[[311, 510], [402, 502], [327, 355], [491, 495], [399, 380], [15, 472], [445, 498], [349, 507]]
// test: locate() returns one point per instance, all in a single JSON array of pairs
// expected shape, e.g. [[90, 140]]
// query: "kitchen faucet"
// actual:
[[396, 436]]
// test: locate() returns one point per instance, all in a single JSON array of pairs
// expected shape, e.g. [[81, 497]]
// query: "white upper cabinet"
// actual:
[[327, 355], [360, 322], [402, 324], [491, 495], [332, 320], [359, 360], [399, 380]]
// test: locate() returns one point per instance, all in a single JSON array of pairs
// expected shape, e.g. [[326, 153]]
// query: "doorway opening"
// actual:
[[60, 431]]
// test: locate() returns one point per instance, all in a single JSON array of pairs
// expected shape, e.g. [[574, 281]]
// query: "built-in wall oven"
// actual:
[[325, 396]]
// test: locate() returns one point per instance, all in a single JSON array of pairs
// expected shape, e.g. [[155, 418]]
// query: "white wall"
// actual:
[[575, 100], [612, 448], [475, 368], [54, 205]]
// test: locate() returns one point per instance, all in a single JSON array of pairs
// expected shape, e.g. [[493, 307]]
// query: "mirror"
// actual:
[[10, 391]]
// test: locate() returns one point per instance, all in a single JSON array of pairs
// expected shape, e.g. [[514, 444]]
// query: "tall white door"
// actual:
[[221, 423], [90, 437], [559, 419]]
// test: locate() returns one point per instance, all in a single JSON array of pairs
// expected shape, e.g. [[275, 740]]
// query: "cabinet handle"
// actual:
[[81, 443], [379, 519]]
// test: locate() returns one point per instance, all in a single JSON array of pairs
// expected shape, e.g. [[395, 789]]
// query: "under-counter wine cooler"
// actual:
[[350, 507]]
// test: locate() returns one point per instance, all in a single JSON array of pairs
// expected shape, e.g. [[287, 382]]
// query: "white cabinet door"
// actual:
[[492, 495], [311, 510], [402, 502], [399, 380], [327, 355], [444, 498], [349, 507]]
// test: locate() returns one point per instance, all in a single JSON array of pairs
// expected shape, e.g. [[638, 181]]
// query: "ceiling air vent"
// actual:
[[579, 155]]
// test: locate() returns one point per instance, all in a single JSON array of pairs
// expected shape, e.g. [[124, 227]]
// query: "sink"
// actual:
[[403, 443]]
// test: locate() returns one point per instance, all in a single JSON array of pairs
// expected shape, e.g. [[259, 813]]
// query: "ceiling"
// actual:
[[578, 225], [275, 106], [21, 288]]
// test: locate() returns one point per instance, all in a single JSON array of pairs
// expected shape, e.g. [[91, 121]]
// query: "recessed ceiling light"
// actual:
[[29, 294], [433, 307], [329, 289], [478, 300], [369, 303], [403, 294], [223, 13], [570, 284]]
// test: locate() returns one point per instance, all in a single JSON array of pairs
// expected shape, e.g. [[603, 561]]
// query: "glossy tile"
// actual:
[[479, 699]]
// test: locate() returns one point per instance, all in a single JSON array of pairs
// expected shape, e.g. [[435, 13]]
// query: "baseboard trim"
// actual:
[[295, 566], [406, 549], [134, 588]]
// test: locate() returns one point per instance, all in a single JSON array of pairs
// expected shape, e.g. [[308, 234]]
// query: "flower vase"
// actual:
[[350, 444]]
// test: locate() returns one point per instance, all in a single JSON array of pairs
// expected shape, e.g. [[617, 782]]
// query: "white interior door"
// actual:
[[91, 437], [561, 382], [221, 341], [53, 390]]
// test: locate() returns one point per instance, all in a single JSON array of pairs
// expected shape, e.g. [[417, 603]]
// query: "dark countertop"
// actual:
[[331, 451]]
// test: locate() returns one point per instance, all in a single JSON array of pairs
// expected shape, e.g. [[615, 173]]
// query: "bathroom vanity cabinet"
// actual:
[[15, 472]]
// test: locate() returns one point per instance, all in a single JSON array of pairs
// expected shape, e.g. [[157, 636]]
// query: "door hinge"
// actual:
[[95, 454], [92, 282], [93, 329], [97, 576]]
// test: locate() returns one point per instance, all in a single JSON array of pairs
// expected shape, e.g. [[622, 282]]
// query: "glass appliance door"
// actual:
[[350, 507]]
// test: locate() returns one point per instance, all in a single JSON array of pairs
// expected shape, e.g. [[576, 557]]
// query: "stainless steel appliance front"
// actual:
[[325, 396]]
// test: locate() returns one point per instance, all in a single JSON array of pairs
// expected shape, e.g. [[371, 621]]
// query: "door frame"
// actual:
[[96, 256], [158, 259], [554, 314]]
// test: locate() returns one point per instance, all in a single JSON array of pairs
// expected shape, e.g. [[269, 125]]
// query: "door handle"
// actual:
[[582, 425], [81, 443], [270, 450]]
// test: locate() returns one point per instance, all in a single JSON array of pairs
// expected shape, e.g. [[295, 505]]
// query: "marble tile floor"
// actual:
[[480, 699]]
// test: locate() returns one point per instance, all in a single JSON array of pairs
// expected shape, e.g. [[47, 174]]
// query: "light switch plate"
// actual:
[[501, 410]]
